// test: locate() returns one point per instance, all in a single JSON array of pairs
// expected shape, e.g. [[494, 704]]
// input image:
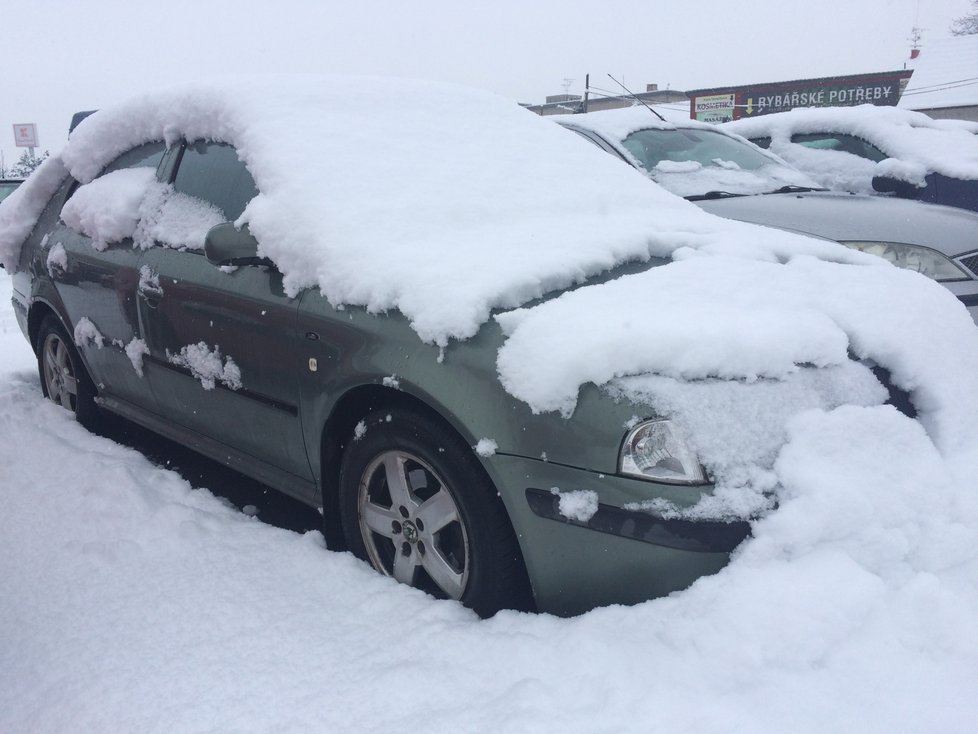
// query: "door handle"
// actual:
[[152, 296]]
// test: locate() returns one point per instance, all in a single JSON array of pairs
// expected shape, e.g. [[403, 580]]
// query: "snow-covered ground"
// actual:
[[130, 602]]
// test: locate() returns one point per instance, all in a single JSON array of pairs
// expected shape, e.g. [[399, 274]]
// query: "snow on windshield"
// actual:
[[713, 354], [917, 144], [690, 158]]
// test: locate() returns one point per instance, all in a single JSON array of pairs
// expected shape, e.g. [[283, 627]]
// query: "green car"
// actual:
[[421, 461]]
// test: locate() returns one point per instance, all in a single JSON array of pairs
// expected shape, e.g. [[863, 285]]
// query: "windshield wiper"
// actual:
[[794, 190], [712, 195]]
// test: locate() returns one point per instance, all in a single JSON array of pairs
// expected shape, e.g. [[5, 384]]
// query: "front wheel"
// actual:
[[418, 507], [64, 380]]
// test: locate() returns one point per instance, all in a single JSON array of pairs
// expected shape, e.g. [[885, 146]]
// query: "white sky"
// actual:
[[66, 55]]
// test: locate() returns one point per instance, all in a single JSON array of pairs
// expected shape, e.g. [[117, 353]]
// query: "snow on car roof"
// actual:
[[912, 138], [441, 201]]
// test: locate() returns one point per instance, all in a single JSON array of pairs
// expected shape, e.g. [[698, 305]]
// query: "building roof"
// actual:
[[945, 75]]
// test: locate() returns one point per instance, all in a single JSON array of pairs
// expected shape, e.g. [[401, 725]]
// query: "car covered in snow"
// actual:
[[869, 149], [7, 187], [727, 176], [506, 369]]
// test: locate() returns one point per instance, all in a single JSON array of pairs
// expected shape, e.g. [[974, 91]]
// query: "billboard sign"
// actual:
[[762, 102], [714, 108], [25, 135], [720, 104]]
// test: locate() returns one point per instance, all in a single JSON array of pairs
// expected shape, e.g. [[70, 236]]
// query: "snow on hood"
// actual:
[[703, 342], [695, 169], [912, 138]]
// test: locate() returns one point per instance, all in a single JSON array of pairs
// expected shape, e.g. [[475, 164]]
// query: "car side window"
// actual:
[[841, 142], [147, 155], [764, 142], [212, 172]]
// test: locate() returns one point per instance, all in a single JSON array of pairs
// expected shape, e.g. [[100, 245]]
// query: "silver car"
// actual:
[[730, 177]]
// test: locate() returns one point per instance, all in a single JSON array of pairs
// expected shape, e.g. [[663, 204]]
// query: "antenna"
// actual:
[[636, 98], [567, 84]]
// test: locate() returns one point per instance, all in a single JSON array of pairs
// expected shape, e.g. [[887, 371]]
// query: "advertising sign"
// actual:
[[762, 102], [715, 108], [25, 135], [719, 104]]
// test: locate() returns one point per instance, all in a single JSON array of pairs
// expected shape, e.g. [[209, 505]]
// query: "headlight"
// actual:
[[913, 257], [657, 450]]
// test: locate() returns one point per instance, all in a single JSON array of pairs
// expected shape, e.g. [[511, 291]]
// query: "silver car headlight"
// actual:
[[923, 260], [657, 450]]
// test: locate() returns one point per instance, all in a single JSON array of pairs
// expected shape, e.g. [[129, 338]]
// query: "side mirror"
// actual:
[[225, 244], [889, 185]]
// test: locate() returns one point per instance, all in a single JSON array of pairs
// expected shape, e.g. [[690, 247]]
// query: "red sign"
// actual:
[[25, 135]]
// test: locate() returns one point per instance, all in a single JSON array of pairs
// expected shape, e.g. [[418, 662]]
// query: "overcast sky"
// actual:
[[66, 55]]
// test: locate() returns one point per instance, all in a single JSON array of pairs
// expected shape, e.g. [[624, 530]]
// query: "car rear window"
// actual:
[[841, 142]]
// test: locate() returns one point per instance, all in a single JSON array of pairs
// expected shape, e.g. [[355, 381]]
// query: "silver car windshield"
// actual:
[[694, 162], [7, 188]]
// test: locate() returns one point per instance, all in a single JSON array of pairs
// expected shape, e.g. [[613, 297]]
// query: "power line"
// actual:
[[942, 86]]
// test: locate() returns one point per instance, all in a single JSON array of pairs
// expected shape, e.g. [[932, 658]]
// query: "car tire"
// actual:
[[418, 506], [64, 379]]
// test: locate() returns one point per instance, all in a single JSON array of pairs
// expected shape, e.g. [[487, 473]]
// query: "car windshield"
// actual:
[[7, 188], [695, 162]]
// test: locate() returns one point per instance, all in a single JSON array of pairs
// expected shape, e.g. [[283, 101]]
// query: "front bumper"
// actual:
[[617, 556]]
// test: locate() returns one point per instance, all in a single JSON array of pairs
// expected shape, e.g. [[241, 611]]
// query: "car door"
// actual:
[[221, 341], [97, 284]]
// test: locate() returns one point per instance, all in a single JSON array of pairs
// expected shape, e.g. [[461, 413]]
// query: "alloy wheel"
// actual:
[[59, 374], [411, 525]]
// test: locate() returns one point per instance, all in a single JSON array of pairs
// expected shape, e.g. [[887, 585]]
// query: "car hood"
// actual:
[[849, 217]]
